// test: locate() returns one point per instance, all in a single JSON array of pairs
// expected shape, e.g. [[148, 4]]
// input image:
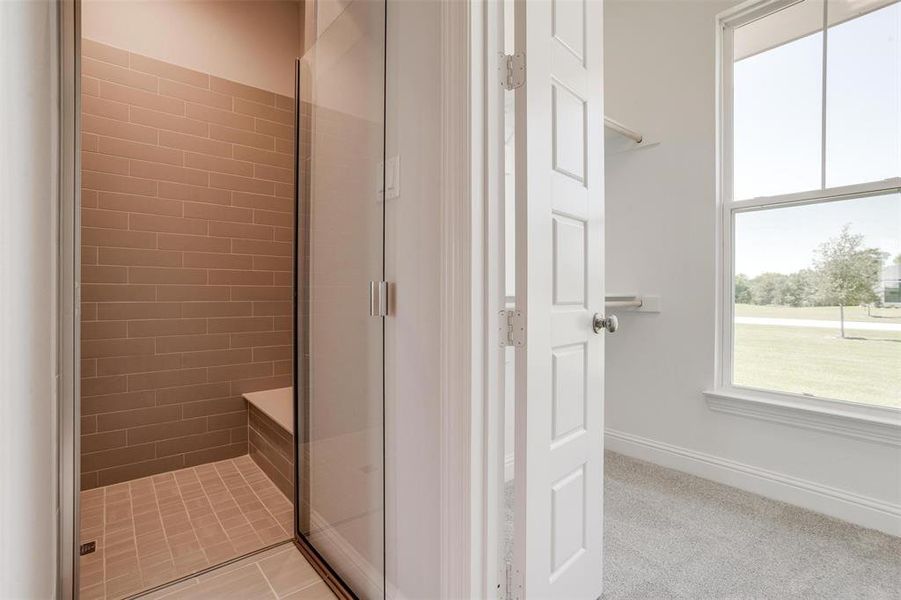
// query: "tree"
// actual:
[[897, 260], [742, 289], [847, 273], [768, 288]]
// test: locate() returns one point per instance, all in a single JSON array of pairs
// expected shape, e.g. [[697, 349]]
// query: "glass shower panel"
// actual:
[[340, 371]]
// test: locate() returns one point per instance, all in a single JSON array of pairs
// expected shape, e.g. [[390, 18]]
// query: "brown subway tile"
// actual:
[[117, 238], [136, 97], [113, 458], [261, 293], [102, 107], [236, 372], [121, 365], [116, 347], [284, 190], [188, 343], [92, 405], [139, 257], [212, 407], [165, 379], [113, 128], [273, 263], [218, 213], [164, 327], [88, 311], [90, 86], [191, 393], [279, 219], [110, 72], [283, 367], [163, 431], [227, 420], [283, 234], [161, 120], [104, 53], [103, 330], [102, 274], [283, 323], [88, 424], [262, 111], [140, 204], [88, 365], [256, 278], [194, 293], [109, 311], [102, 441], [270, 338], [109, 182], [91, 217], [181, 141], [240, 246], [240, 184], [161, 275], [285, 146], [195, 94], [89, 143], [239, 136], [218, 261], [137, 417], [168, 70], [284, 103], [272, 353], [195, 243], [91, 161], [240, 230], [232, 88], [246, 386], [266, 308], [142, 469], [228, 118], [208, 358], [263, 202], [177, 191], [221, 453], [218, 164], [98, 386], [217, 309], [143, 222], [277, 130], [192, 443], [161, 172], [239, 324], [136, 150], [255, 155]]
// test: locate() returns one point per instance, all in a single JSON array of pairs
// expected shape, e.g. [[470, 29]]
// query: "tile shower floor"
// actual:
[[156, 529]]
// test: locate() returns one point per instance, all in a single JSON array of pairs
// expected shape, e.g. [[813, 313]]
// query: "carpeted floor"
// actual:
[[671, 535]]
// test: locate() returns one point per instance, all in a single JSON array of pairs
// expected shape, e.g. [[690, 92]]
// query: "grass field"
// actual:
[[863, 368], [824, 313]]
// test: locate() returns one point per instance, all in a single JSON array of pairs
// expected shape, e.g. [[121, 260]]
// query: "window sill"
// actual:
[[870, 423]]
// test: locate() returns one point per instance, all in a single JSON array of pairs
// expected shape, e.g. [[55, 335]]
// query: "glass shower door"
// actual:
[[340, 356]]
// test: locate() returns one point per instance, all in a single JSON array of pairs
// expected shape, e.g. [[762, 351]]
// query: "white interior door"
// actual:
[[559, 445]]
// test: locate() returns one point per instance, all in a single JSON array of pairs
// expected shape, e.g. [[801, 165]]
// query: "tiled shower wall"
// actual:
[[187, 228]]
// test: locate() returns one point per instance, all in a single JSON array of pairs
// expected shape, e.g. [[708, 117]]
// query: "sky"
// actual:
[[778, 140]]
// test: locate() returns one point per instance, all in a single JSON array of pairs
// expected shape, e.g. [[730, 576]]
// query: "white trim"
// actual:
[[509, 467], [854, 508], [869, 423], [460, 318]]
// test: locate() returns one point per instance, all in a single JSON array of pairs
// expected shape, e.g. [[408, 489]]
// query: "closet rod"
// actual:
[[622, 130]]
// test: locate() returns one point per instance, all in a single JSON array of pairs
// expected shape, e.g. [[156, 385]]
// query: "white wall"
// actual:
[[660, 240], [27, 290], [253, 42]]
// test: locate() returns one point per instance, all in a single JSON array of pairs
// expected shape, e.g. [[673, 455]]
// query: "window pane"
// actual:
[[863, 96], [777, 103], [802, 272]]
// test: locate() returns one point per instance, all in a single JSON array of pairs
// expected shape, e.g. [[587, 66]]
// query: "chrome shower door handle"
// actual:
[[601, 323]]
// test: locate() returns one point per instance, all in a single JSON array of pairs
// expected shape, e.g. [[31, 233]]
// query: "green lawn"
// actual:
[[824, 313], [864, 368]]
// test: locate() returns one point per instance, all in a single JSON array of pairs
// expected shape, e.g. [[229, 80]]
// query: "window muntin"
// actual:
[[787, 137]]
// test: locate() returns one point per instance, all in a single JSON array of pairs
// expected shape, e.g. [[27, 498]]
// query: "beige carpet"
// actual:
[[672, 535]]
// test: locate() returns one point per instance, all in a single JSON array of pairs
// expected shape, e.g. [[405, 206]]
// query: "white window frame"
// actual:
[[870, 422]]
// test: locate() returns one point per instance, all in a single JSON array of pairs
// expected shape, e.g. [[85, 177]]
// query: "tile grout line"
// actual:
[[159, 517], [234, 499], [256, 563], [190, 519]]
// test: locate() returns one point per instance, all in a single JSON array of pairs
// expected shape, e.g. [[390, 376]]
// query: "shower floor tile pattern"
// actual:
[[156, 529]]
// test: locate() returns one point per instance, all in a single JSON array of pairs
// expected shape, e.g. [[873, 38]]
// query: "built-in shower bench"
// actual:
[[270, 435]]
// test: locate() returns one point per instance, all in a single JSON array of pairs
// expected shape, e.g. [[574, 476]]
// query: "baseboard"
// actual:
[[841, 504]]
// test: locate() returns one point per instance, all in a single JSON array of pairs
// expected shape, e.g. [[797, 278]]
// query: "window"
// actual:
[[810, 192]]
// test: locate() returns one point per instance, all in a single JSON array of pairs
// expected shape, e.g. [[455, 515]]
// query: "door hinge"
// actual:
[[513, 70], [512, 328], [378, 298]]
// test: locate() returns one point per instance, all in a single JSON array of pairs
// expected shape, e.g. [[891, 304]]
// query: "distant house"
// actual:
[[889, 289]]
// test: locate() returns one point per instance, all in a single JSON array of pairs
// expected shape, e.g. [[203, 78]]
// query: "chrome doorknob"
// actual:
[[610, 323]]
